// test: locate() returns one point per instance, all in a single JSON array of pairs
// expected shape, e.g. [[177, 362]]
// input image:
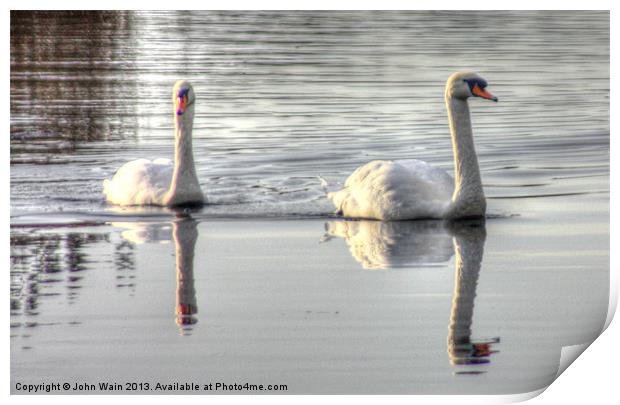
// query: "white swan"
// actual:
[[410, 189], [158, 182]]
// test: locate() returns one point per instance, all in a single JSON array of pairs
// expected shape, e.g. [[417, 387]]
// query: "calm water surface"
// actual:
[[264, 284]]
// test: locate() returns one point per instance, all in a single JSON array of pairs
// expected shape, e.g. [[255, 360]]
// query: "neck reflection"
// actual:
[[183, 232], [468, 238]]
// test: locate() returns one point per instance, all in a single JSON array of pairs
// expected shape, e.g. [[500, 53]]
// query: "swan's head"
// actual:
[[463, 85], [182, 96]]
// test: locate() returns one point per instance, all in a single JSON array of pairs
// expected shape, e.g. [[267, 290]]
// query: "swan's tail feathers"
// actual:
[[327, 187], [106, 187], [332, 193], [324, 184]]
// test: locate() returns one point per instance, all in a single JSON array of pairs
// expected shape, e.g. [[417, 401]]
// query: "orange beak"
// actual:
[[181, 105], [483, 93]]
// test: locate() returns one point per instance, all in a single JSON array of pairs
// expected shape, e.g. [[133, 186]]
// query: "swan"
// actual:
[[159, 182], [412, 189]]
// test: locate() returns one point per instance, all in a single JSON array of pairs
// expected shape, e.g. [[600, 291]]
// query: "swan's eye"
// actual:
[[481, 83], [182, 93], [182, 102]]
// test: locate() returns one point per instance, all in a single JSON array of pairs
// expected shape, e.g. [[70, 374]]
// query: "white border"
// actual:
[[591, 379]]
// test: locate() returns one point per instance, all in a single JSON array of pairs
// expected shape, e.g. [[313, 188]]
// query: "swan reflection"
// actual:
[[184, 233], [383, 245], [143, 232]]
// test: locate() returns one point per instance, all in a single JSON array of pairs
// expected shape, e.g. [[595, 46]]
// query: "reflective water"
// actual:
[[284, 97], [264, 284], [266, 302]]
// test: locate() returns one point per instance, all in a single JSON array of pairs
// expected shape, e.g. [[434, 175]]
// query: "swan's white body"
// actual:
[[412, 189], [160, 182], [388, 190], [140, 182]]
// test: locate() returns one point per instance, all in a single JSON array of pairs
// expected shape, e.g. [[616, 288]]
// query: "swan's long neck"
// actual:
[[468, 199], [184, 187]]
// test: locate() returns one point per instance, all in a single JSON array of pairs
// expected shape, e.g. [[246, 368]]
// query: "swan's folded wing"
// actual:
[[362, 192], [440, 180], [140, 182], [388, 190]]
